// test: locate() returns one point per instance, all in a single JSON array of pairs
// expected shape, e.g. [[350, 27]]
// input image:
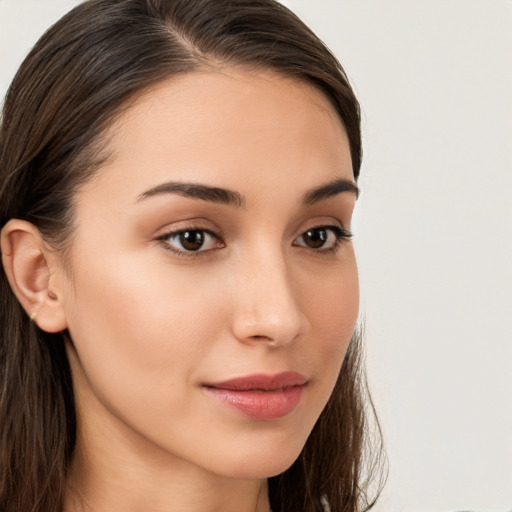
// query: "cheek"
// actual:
[[334, 305], [333, 311], [136, 330]]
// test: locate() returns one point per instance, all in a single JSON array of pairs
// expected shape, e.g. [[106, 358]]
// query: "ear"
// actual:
[[26, 259]]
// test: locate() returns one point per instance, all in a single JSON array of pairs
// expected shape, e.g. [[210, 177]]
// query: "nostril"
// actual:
[[261, 337]]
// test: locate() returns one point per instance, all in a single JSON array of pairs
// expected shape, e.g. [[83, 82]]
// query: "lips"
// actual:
[[260, 397]]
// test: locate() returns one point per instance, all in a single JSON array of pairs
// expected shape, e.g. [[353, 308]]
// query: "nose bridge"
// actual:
[[267, 305]]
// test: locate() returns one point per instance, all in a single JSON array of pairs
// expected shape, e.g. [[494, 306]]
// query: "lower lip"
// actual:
[[260, 405]]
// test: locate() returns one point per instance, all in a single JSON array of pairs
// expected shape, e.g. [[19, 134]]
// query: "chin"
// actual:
[[262, 462]]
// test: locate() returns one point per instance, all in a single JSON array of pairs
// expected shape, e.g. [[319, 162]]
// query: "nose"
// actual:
[[267, 305]]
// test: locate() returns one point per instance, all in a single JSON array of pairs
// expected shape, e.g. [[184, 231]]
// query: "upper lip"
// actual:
[[261, 382]]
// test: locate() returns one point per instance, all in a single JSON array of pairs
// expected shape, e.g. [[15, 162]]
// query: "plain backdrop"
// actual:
[[433, 230]]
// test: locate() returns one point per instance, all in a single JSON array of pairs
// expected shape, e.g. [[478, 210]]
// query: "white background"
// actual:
[[434, 226]]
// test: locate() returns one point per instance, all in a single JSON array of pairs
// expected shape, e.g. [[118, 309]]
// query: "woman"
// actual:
[[179, 290]]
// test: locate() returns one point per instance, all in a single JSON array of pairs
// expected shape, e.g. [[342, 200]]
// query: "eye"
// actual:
[[322, 237], [191, 240]]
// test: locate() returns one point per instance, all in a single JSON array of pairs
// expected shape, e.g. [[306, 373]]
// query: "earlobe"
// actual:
[[25, 259]]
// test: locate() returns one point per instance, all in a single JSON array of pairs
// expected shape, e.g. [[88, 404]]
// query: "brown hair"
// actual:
[[68, 91]]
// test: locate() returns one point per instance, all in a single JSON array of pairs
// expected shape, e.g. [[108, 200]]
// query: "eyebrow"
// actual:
[[197, 191], [333, 188], [232, 198]]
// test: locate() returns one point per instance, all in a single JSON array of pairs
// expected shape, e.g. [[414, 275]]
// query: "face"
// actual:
[[212, 286]]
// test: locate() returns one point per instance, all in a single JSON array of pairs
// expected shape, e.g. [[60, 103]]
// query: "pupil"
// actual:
[[315, 238], [192, 240]]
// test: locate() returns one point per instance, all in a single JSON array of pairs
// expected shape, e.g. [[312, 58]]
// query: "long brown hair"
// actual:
[[68, 91]]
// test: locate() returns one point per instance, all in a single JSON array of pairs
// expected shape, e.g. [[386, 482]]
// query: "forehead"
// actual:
[[227, 90], [227, 127]]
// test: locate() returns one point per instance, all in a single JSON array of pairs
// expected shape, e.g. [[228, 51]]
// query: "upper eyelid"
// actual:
[[331, 222], [188, 225], [339, 231], [197, 226], [177, 231]]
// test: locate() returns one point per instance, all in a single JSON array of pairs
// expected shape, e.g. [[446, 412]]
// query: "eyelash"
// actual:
[[164, 239], [341, 235]]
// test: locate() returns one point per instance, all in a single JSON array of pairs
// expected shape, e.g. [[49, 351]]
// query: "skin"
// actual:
[[151, 323]]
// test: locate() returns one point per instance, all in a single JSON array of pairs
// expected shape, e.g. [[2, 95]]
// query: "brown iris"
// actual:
[[315, 238], [192, 240]]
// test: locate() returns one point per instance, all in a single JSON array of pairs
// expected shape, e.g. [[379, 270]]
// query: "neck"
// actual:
[[134, 487]]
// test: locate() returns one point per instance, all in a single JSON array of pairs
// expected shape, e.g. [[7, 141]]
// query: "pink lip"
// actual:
[[261, 397]]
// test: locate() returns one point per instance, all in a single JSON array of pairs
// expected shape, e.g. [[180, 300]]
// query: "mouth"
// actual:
[[260, 397]]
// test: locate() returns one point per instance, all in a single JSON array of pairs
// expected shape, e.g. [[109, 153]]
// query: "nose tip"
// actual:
[[268, 310], [257, 328]]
